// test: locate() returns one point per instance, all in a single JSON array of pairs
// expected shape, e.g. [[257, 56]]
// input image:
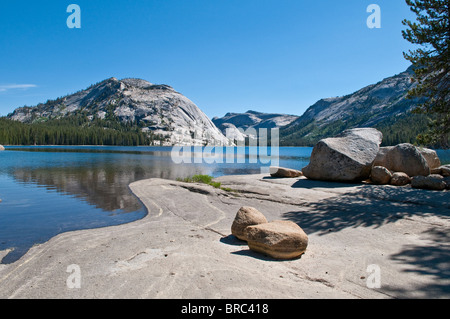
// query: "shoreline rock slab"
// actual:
[[347, 157], [183, 249], [278, 239]]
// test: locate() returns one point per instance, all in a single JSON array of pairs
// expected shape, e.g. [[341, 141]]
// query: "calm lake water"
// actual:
[[49, 190]]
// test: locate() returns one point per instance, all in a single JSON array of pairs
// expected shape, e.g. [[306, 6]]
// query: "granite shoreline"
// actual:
[[183, 248]]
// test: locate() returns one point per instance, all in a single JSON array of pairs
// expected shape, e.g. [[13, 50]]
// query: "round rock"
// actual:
[[277, 239], [400, 179], [380, 175], [246, 216], [403, 158]]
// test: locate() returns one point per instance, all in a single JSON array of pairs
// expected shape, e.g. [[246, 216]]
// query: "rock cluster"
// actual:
[[408, 164], [278, 239], [355, 156], [404, 158]]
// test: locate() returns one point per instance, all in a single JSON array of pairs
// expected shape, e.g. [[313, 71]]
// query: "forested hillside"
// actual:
[[396, 130], [76, 129]]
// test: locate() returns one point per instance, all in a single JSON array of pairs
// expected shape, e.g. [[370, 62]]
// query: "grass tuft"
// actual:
[[204, 179]]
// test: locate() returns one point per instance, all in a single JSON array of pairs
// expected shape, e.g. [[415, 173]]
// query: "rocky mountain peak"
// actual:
[[157, 108], [375, 105], [138, 83]]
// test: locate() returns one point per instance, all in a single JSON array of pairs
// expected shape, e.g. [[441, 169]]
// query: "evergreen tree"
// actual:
[[432, 65], [72, 130]]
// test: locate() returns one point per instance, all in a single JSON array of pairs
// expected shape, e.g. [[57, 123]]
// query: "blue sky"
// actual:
[[224, 55]]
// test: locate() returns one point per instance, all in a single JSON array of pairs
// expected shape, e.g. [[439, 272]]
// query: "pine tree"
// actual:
[[432, 65]]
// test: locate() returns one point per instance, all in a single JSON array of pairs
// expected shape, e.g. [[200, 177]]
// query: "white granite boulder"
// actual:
[[431, 157], [347, 157], [404, 158]]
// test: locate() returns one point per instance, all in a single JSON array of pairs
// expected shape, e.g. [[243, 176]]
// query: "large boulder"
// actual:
[[431, 157], [403, 158], [432, 182], [246, 216], [380, 158], [347, 157], [282, 172], [278, 239], [380, 175]]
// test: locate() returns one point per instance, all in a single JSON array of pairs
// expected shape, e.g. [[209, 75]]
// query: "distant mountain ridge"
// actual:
[[158, 109], [382, 105], [172, 119], [232, 122]]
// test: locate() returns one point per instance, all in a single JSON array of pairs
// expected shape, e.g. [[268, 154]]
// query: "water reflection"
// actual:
[[49, 190]]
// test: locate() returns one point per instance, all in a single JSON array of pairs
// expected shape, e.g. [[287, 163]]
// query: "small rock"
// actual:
[[284, 172], [431, 182], [447, 182], [445, 170], [246, 216], [380, 175], [436, 170], [277, 239], [400, 179]]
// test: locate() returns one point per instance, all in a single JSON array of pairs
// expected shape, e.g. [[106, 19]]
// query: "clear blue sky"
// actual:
[[224, 55]]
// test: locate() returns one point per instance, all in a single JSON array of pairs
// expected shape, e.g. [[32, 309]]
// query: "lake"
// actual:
[[49, 190]]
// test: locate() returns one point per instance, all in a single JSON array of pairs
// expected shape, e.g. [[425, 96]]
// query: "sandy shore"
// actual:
[[183, 247]]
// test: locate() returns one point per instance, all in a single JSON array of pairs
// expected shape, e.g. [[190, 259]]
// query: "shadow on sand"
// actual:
[[234, 241]]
